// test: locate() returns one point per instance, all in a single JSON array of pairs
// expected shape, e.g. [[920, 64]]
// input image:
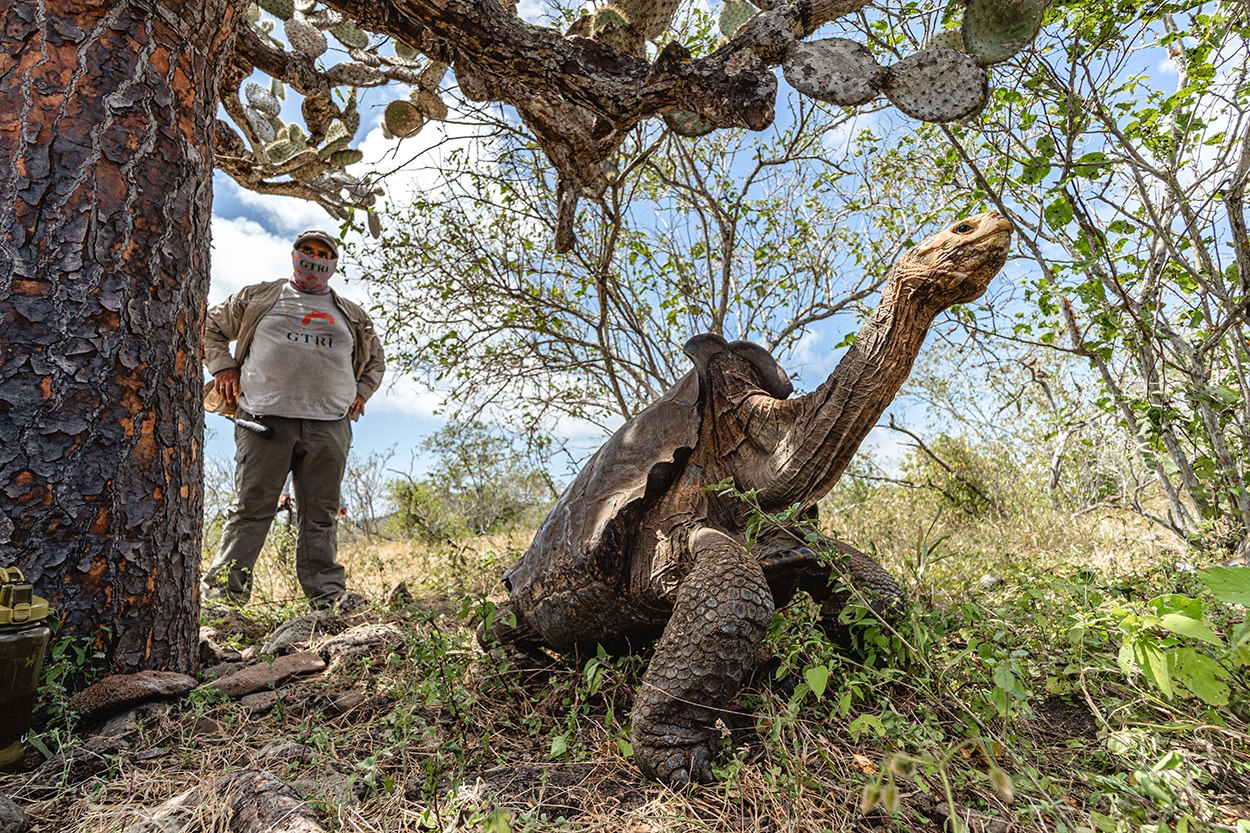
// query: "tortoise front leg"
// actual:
[[711, 642], [788, 568]]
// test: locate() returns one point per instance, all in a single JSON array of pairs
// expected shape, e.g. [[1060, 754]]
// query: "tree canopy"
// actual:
[[578, 91]]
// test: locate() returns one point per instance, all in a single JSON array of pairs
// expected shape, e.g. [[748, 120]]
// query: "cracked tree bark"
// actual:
[[106, 126]]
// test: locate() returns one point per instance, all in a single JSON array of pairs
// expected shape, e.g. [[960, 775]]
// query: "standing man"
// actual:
[[305, 362]]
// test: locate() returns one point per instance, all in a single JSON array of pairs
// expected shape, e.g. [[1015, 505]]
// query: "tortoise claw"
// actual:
[[673, 762]]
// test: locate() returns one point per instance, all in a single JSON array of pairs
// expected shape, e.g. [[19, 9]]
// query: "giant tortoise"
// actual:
[[639, 547]]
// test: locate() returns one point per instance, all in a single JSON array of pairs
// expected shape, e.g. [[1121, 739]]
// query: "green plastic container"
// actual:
[[23, 642]]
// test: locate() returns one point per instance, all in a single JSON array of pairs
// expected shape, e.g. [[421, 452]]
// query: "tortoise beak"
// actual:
[[999, 223]]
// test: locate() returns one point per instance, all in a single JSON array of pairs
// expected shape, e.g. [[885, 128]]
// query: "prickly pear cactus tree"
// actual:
[[580, 90], [326, 57]]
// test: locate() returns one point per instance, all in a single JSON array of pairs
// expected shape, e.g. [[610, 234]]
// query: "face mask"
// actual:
[[312, 274]]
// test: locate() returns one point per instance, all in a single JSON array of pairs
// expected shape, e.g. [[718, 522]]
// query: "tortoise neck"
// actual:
[[821, 431]]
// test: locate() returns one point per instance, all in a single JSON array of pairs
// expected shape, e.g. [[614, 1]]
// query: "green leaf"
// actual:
[[1003, 678], [865, 722], [1151, 659], [817, 678], [1193, 628], [1176, 603], [993, 30], [1226, 395], [1034, 172], [1092, 165], [559, 746], [733, 14], [1059, 213], [1203, 676], [1228, 584]]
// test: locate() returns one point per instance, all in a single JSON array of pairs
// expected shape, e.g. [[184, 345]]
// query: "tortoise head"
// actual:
[[955, 265]]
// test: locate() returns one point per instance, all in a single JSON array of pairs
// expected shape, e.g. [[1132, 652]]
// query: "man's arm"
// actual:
[[221, 326], [370, 378]]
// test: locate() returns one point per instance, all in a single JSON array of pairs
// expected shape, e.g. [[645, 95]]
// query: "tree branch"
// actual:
[[920, 444]]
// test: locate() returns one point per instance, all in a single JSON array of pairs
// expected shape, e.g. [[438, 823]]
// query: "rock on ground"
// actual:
[[301, 630], [268, 674], [212, 652], [360, 641], [12, 818], [118, 692], [249, 801]]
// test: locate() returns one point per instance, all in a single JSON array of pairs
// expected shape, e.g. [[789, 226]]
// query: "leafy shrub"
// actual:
[[480, 484]]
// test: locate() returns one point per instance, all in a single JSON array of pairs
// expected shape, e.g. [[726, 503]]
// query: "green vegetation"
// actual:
[[1053, 671], [479, 484], [1072, 657]]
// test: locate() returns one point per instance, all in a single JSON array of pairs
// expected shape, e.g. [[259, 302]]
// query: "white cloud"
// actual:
[[813, 357], [244, 252], [404, 395], [287, 216], [533, 11]]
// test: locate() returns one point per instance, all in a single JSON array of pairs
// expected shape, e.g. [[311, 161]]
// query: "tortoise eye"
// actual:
[[963, 228]]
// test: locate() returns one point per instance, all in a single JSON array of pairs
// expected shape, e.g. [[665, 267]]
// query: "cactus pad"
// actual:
[[685, 123], [283, 150], [403, 118], [262, 99], [337, 134], [946, 39], [281, 9], [342, 158], [994, 30], [294, 133], [354, 75], [937, 85], [305, 38], [260, 125], [733, 14], [429, 103], [836, 70], [351, 37], [609, 16], [325, 18]]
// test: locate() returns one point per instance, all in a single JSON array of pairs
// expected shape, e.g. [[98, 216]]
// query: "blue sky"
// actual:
[[251, 243], [252, 237]]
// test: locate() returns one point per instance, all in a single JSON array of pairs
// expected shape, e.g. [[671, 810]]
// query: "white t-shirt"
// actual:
[[300, 360]]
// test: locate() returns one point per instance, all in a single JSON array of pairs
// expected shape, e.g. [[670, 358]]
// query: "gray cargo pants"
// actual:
[[315, 453]]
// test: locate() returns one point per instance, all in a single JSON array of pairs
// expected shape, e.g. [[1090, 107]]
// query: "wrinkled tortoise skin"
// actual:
[[640, 548]]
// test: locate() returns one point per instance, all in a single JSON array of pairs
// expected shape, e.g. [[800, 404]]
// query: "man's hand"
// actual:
[[228, 383], [358, 407]]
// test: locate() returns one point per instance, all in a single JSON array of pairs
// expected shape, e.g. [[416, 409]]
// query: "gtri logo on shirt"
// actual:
[[314, 328], [311, 338], [314, 315]]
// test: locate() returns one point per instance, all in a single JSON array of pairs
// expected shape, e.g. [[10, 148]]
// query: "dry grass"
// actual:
[[447, 738]]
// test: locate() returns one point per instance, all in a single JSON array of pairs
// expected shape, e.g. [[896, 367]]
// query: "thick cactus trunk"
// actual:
[[106, 125]]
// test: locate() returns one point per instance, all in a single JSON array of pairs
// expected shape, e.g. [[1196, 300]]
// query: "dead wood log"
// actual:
[[249, 801]]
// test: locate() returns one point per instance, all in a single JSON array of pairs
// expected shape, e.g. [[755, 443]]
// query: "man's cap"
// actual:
[[320, 236]]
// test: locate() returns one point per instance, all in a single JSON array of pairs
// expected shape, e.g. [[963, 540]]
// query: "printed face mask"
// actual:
[[312, 274]]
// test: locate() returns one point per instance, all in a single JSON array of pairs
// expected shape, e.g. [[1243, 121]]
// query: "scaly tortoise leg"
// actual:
[[879, 589], [711, 643]]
